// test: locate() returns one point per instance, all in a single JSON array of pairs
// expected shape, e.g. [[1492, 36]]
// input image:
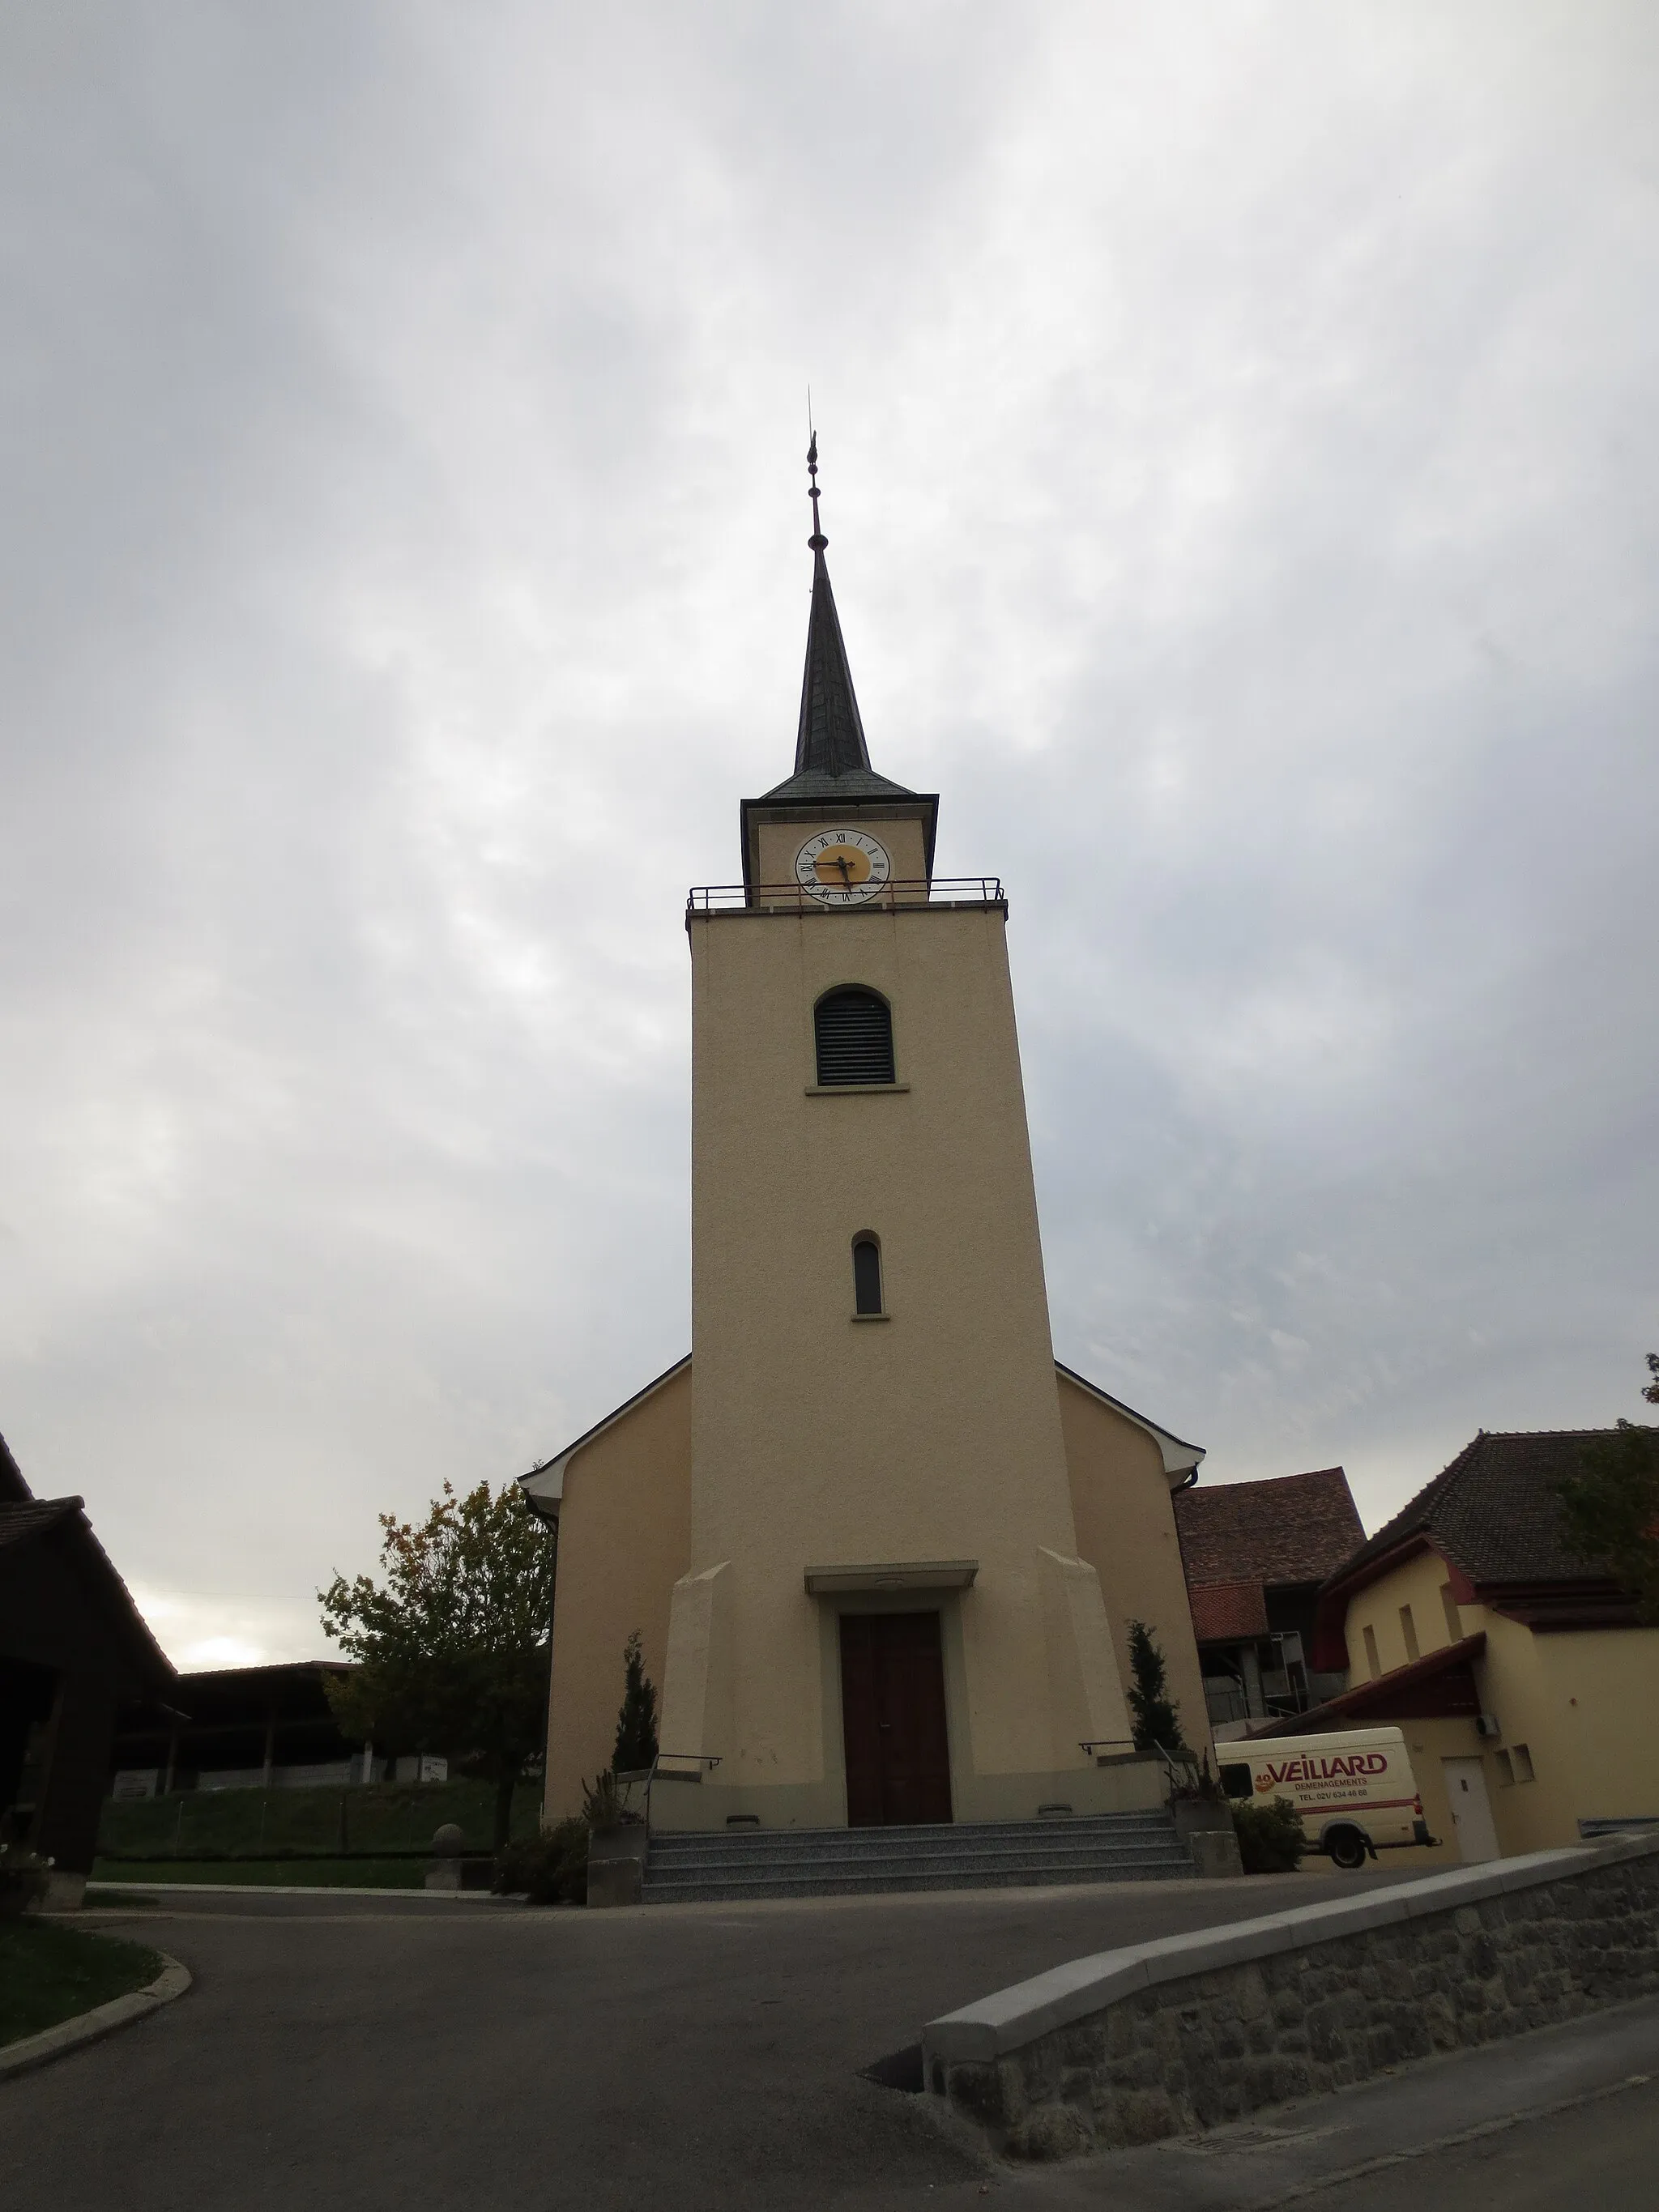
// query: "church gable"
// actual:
[[621, 1497]]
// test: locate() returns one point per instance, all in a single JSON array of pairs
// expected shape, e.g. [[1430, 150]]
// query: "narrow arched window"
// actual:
[[866, 1275], [854, 1032]]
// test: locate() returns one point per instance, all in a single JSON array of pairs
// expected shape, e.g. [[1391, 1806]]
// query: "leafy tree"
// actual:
[[636, 1723], [1610, 1508], [1155, 1718], [451, 1646]]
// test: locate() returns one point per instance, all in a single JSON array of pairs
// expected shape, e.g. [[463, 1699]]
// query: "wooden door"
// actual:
[[892, 1701]]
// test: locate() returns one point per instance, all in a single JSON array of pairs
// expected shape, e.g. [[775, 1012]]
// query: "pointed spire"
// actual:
[[830, 738]]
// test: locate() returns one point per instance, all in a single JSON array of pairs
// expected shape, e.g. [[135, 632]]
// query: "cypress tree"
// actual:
[[1155, 1718], [636, 1723]]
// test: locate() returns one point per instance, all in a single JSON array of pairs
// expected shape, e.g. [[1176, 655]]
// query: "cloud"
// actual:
[[1242, 509]]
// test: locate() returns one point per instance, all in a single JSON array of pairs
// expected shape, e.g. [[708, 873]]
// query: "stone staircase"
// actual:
[[745, 1863]]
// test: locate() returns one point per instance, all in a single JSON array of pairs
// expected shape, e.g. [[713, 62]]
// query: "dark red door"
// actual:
[[892, 1703]]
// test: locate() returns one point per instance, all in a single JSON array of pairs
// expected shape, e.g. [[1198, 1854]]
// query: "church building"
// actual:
[[881, 1549]]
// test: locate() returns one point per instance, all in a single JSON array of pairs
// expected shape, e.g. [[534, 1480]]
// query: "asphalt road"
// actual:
[[386, 2052], [377, 2053]]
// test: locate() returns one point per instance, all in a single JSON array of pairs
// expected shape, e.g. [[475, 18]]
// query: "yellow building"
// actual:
[[1520, 1674], [882, 1552]]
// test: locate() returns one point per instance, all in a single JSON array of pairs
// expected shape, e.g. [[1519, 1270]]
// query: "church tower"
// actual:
[[881, 1550], [885, 1617]]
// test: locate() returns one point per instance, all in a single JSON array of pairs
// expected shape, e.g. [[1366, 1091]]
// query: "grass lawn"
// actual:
[[285, 1873], [49, 1972]]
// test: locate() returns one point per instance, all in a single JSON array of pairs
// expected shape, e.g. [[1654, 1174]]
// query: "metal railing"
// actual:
[[645, 1781], [793, 898]]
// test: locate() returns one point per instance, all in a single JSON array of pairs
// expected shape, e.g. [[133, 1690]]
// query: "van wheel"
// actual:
[[1347, 1847]]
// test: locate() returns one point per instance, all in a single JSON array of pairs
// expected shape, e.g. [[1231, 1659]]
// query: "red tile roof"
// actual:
[[1228, 1612], [1290, 1529]]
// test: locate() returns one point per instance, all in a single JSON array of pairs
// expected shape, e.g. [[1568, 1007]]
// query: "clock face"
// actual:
[[841, 867]]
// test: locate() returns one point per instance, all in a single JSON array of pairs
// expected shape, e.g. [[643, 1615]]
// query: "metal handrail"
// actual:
[[793, 898], [711, 1760]]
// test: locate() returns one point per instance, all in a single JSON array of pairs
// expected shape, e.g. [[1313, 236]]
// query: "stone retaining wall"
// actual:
[[1171, 2037]]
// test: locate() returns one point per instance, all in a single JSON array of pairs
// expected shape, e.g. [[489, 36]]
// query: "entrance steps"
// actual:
[[739, 1863]]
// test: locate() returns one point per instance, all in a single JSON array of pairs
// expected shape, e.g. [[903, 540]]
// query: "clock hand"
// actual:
[[842, 863]]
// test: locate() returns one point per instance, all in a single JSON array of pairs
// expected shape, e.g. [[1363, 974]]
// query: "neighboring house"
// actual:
[[238, 1728], [1524, 1682], [1255, 1556], [74, 1649], [251, 1727]]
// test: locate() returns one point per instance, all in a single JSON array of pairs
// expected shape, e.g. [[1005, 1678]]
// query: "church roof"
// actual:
[[832, 758], [815, 783], [544, 1484], [829, 738]]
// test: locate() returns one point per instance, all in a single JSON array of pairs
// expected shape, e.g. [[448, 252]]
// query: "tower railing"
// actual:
[[947, 892]]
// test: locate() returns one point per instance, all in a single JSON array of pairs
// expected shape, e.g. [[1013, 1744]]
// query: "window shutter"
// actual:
[[854, 1038]]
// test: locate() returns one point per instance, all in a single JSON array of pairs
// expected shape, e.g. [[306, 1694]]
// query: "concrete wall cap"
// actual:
[[1637, 1843], [1015, 2016]]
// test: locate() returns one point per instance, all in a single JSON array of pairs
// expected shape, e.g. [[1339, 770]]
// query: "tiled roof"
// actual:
[[1227, 1612], [18, 1523], [1291, 1528], [13, 1487], [21, 1524], [1493, 1512]]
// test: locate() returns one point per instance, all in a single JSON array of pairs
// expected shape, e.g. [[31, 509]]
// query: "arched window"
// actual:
[[854, 1031], [866, 1275]]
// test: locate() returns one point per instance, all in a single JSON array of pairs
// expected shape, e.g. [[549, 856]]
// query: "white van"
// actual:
[[1355, 1791]]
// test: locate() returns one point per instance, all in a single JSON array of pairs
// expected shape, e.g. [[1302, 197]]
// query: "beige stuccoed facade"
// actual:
[[811, 1461], [622, 1499], [1563, 1703]]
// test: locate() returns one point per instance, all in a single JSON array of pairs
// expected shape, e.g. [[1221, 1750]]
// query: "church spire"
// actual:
[[830, 738]]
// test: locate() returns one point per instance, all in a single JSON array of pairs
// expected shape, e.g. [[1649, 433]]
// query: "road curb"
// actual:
[[32, 2050], [283, 1889]]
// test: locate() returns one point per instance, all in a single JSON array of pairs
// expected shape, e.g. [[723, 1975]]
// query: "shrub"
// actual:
[[605, 1803], [1270, 1838], [548, 1868]]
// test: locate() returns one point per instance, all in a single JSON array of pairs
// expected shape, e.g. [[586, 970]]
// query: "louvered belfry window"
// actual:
[[855, 1037]]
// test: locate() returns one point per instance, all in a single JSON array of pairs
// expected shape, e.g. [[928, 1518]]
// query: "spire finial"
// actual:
[[817, 541]]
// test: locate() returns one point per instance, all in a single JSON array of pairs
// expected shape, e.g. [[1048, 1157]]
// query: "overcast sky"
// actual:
[[1239, 450]]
